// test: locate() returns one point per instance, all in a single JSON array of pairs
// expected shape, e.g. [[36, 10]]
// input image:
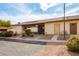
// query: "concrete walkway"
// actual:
[[54, 38]]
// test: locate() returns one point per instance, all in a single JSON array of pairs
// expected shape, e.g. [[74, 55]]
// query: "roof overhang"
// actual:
[[5, 27], [68, 18]]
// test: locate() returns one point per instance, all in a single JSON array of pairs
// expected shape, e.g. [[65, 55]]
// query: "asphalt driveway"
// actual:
[[8, 48]]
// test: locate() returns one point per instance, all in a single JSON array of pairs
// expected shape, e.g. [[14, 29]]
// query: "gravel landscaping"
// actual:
[[8, 48], [56, 50]]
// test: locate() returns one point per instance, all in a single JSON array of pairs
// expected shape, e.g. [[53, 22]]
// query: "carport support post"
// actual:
[[64, 21]]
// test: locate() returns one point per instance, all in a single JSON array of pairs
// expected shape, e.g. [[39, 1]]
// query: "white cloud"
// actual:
[[24, 13], [73, 11], [68, 4], [45, 6], [27, 16], [72, 14]]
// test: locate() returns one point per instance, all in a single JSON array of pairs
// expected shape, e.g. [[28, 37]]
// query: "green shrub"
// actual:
[[6, 34], [28, 32], [9, 33], [3, 34], [73, 44]]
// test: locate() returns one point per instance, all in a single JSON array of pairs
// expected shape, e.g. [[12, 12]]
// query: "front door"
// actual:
[[40, 28], [73, 28]]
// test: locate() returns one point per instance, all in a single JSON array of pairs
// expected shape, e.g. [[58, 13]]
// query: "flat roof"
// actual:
[[4, 27], [50, 20]]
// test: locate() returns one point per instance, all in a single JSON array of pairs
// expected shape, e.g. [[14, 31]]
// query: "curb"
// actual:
[[40, 42]]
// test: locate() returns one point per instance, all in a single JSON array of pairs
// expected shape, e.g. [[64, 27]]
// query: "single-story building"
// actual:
[[3, 28], [50, 26]]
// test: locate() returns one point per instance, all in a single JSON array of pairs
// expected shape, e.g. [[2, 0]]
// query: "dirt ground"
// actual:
[[56, 50]]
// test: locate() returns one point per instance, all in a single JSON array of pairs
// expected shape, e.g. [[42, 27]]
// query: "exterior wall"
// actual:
[[77, 25], [17, 29], [49, 27], [33, 29]]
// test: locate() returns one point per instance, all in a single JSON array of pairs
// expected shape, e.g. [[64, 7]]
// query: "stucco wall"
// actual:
[[33, 29], [49, 27], [77, 25], [17, 29]]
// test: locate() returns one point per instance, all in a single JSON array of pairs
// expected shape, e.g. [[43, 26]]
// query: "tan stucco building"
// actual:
[[16, 28], [50, 26]]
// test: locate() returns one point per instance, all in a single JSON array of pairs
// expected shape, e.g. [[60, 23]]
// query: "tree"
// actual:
[[8, 23], [5, 23]]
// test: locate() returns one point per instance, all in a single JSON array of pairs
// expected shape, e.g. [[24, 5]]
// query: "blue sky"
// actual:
[[21, 12]]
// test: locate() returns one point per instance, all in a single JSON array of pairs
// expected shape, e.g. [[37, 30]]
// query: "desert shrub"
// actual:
[[73, 44], [6, 34], [0, 34], [28, 32], [3, 34], [9, 33]]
